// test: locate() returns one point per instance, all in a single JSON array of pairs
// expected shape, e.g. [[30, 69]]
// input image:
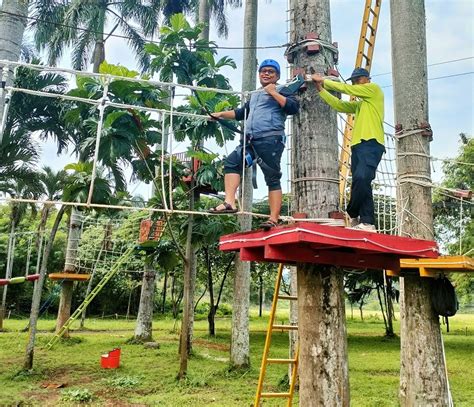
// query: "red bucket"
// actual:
[[110, 360]]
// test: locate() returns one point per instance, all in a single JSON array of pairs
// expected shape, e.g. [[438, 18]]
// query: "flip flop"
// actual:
[[227, 209], [268, 224]]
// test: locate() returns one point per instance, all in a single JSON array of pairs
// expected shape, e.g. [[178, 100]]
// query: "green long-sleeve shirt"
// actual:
[[368, 110]]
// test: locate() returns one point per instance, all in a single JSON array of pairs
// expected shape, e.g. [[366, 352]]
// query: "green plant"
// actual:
[[78, 395], [123, 382]]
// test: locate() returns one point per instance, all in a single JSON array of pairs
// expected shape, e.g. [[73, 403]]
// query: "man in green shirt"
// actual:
[[367, 145]]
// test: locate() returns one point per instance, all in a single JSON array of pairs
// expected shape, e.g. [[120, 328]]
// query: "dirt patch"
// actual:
[[47, 398], [212, 345]]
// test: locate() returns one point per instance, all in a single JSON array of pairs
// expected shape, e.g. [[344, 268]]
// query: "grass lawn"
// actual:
[[147, 376]]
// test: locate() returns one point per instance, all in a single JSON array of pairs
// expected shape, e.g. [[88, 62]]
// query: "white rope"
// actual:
[[162, 162], [244, 152], [170, 143], [42, 68], [101, 108]]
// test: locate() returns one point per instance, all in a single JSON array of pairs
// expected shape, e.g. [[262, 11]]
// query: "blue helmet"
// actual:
[[271, 63]]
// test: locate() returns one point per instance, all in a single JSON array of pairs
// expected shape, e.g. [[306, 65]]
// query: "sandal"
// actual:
[[227, 209], [268, 224]]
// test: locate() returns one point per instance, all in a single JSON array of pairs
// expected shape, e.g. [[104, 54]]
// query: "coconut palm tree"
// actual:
[[81, 25]]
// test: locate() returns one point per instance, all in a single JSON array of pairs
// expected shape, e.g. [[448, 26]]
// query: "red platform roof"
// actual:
[[306, 242]]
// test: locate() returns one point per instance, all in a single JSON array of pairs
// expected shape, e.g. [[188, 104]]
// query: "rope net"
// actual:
[[101, 243]]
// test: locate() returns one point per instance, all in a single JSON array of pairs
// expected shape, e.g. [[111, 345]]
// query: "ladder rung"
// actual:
[[282, 361], [269, 395], [373, 12], [368, 42], [288, 297], [286, 327]]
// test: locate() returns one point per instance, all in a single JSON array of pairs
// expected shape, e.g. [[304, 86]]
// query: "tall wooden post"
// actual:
[[423, 378], [323, 367], [67, 286], [240, 346], [12, 26]]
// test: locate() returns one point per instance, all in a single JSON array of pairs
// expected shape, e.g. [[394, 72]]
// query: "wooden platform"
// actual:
[[69, 276], [435, 267], [306, 242]]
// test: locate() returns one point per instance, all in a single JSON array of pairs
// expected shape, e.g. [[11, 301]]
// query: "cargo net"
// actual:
[[387, 219], [101, 242]]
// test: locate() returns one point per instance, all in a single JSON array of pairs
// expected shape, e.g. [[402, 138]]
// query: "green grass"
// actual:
[[147, 376]]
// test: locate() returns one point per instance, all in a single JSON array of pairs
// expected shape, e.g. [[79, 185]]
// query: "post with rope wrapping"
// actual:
[[423, 378], [323, 366]]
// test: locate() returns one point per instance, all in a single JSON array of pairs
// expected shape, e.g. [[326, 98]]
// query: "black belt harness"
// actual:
[[252, 158]]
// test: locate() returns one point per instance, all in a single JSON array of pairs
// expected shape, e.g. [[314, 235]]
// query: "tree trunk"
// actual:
[[204, 17], [11, 35], [65, 300], [210, 286], [379, 297], [8, 271], [185, 341], [321, 315], [36, 301], [240, 341], [260, 295], [163, 300], [423, 376], [388, 293], [99, 49], [98, 56], [129, 303], [143, 330]]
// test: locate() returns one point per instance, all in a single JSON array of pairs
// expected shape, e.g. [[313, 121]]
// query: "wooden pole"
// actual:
[[240, 344], [423, 379], [323, 367]]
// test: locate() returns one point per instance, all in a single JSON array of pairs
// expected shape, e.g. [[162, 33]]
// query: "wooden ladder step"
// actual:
[[288, 297], [276, 395], [281, 361], [286, 327]]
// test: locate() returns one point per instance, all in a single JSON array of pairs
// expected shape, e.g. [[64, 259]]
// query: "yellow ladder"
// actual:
[[265, 359], [365, 51]]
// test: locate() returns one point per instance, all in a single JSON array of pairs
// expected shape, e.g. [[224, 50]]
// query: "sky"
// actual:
[[450, 36]]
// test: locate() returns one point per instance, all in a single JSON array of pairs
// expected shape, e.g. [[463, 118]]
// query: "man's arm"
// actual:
[[342, 106], [236, 114], [360, 91], [337, 104], [289, 104]]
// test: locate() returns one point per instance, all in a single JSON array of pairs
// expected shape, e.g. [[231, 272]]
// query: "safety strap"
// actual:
[[256, 159]]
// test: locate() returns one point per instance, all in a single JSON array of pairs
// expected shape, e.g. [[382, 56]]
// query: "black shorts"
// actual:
[[269, 149]]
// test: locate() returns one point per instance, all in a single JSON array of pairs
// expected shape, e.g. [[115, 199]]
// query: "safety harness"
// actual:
[[251, 156]]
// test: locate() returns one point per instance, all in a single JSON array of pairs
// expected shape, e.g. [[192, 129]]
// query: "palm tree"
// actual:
[[12, 27], [53, 183], [81, 24]]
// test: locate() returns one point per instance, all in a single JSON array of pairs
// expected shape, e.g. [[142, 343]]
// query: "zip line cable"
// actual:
[[429, 65], [439, 77], [111, 34]]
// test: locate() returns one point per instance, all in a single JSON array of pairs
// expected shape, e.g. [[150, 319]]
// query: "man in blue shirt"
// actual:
[[265, 113]]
